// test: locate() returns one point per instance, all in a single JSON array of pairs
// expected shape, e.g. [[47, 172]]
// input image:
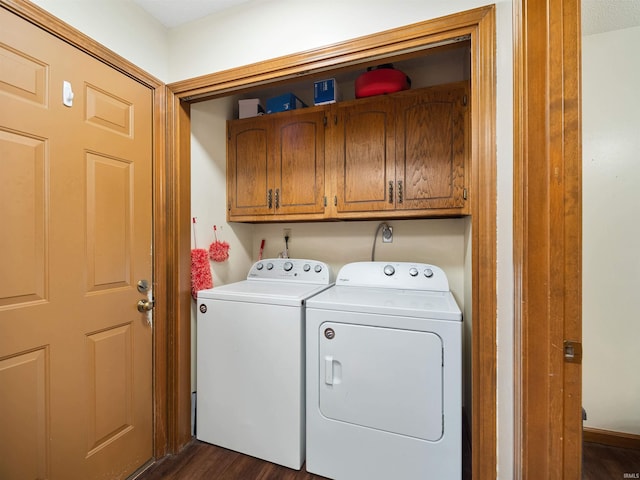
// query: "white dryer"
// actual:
[[250, 360], [384, 375]]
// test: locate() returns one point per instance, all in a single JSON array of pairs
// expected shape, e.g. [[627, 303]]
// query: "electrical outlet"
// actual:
[[387, 234]]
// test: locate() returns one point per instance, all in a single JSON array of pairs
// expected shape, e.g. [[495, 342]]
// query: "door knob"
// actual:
[[145, 305]]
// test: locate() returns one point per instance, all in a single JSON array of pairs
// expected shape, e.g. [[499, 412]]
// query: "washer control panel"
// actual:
[[291, 270], [400, 275]]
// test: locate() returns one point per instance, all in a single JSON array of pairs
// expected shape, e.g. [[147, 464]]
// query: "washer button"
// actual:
[[269, 266], [428, 273], [413, 271], [306, 267], [288, 266], [259, 266], [389, 270], [317, 268]]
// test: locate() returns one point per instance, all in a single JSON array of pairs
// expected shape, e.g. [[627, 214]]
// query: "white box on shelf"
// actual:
[[249, 107]]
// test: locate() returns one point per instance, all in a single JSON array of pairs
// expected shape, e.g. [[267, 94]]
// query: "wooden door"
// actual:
[[250, 188], [75, 210], [365, 150], [431, 148], [299, 162]]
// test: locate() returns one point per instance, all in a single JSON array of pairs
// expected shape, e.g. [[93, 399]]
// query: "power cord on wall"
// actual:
[[386, 230]]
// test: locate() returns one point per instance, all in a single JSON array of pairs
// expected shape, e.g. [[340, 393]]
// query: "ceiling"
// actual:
[[597, 15], [172, 13], [600, 16]]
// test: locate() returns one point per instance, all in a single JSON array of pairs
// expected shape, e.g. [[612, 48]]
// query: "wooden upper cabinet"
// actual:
[[431, 148], [395, 156], [275, 165], [249, 169], [364, 149], [404, 154], [299, 162]]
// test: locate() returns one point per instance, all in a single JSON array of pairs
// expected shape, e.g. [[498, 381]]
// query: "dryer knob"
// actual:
[[259, 266], [269, 266], [413, 271], [306, 267], [317, 268], [389, 270], [288, 266], [428, 273]]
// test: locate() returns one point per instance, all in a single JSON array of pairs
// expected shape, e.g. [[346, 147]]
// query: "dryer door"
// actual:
[[382, 378]]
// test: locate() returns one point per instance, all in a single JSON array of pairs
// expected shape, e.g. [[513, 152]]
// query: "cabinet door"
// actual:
[[249, 166], [364, 140], [299, 148], [431, 148]]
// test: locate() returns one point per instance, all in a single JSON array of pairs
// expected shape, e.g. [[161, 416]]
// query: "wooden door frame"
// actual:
[[479, 25], [547, 237], [161, 202]]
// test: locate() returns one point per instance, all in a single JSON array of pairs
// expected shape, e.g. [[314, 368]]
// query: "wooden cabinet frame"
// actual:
[[477, 25]]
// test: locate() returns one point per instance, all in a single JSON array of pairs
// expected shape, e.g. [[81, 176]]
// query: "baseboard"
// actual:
[[613, 439]]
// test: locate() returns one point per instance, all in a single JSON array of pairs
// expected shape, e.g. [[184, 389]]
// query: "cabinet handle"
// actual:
[[399, 191], [269, 200], [277, 198], [335, 200], [390, 192]]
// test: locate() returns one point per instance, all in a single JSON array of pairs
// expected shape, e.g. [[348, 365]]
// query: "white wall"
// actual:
[[611, 228], [120, 25], [265, 29]]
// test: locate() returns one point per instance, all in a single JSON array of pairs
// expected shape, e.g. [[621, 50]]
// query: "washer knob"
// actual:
[[389, 270], [306, 267], [288, 266], [413, 271], [269, 266], [428, 273], [317, 268], [259, 266]]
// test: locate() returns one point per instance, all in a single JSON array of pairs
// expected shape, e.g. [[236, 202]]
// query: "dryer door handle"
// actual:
[[328, 370]]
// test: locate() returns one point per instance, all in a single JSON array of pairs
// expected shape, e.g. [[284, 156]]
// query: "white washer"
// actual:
[[384, 374], [250, 360]]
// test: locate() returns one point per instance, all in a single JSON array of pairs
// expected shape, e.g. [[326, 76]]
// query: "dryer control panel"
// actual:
[[291, 270], [399, 275]]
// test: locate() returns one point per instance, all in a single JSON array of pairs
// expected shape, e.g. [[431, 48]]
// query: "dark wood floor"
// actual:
[[200, 460], [601, 462]]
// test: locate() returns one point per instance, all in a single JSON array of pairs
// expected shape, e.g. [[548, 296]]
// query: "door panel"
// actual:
[[431, 147], [109, 226], [249, 167], [382, 378], [299, 162], [24, 375], [24, 272], [365, 155], [75, 354]]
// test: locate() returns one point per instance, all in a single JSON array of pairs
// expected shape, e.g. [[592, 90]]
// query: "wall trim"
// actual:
[[612, 439]]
